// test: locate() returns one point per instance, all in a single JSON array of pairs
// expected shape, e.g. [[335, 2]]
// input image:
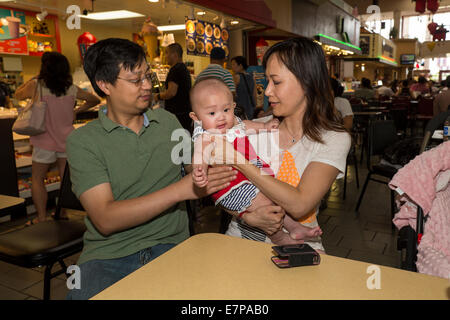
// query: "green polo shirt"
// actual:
[[134, 165]]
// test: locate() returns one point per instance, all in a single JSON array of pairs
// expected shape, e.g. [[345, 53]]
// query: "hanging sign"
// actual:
[[202, 36], [13, 38]]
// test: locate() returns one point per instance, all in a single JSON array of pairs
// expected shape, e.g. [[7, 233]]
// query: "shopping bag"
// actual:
[[31, 120]]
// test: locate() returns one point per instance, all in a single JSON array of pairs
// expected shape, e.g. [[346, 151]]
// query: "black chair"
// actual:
[[351, 156], [381, 134], [48, 242]]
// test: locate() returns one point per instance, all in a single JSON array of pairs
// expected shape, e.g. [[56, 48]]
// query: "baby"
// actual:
[[213, 113]]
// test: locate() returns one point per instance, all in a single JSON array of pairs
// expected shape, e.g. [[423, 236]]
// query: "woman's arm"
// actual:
[[90, 100], [298, 202], [26, 90]]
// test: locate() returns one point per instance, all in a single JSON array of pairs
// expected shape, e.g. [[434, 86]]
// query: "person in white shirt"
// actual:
[[308, 151], [384, 90], [342, 105]]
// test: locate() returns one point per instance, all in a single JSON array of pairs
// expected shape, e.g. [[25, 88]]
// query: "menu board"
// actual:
[[202, 36], [12, 32]]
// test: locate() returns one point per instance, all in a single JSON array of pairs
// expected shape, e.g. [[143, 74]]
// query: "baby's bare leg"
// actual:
[[297, 231]]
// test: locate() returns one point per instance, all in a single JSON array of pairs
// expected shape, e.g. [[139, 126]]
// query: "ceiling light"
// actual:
[[111, 15], [153, 0], [201, 13], [41, 16], [172, 27], [234, 22]]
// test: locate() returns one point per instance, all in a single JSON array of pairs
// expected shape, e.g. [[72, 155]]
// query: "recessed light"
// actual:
[[234, 22], [201, 13], [153, 0], [172, 27], [111, 15]]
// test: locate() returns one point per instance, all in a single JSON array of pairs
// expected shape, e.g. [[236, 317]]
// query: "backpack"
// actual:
[[403, 151]]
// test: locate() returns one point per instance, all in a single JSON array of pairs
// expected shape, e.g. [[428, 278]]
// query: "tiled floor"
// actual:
[[367, 238]]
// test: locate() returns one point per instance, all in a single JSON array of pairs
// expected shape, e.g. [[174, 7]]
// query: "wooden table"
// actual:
[[9, 204], [212, 266]]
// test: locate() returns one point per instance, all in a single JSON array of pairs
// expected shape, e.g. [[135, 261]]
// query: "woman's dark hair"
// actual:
[[55, 72], [306, 60], [365, 83], [405, 83], [240, 60], [422, 79], [176, 47], [104, 59]]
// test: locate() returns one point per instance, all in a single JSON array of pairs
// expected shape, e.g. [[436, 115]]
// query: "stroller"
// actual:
[[409, 239], [407, 242]]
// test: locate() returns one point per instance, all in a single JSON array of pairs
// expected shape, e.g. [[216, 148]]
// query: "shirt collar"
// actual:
[[109, 125]]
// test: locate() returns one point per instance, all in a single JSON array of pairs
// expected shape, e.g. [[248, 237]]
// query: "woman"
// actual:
[[60, 95], [245, 86], [307, 153]]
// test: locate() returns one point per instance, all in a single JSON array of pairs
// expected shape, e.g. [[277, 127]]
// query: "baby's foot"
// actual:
[[305, 233], [282, 238]]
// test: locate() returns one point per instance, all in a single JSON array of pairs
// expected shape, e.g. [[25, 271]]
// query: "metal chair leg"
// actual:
[[356, 170], [47, 278], [345, 181], [392, 209], [362, 194]]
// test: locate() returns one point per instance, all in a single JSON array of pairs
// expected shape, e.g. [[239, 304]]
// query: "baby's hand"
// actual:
[[199, 176], [272, 124]]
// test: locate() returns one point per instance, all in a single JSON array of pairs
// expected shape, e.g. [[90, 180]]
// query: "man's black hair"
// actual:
[[104, 59], [176, 47]]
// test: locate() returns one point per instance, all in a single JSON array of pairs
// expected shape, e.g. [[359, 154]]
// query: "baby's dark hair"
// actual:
[[200, 82]]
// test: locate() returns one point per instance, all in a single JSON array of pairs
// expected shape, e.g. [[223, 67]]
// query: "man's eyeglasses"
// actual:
[[140, 81]]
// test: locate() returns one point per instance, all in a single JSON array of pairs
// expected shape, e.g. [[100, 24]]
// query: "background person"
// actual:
[[245, 86], [342, 105], [365, 92], [216, 69], [5, 94], [177, 84], [60, 94], [441, 102]]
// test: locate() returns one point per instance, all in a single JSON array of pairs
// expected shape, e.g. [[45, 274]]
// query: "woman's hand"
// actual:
[[224, 153], [267, 218]]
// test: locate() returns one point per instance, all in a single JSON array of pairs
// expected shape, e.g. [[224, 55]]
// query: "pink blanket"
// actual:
[[424, 181]]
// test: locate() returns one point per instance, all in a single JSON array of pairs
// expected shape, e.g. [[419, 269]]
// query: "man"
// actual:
[[178, 84], [216, 69], [441, 102], [384, 90], [123, 173]]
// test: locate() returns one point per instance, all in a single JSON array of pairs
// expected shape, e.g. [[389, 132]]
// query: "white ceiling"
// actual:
[[160, 12]]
